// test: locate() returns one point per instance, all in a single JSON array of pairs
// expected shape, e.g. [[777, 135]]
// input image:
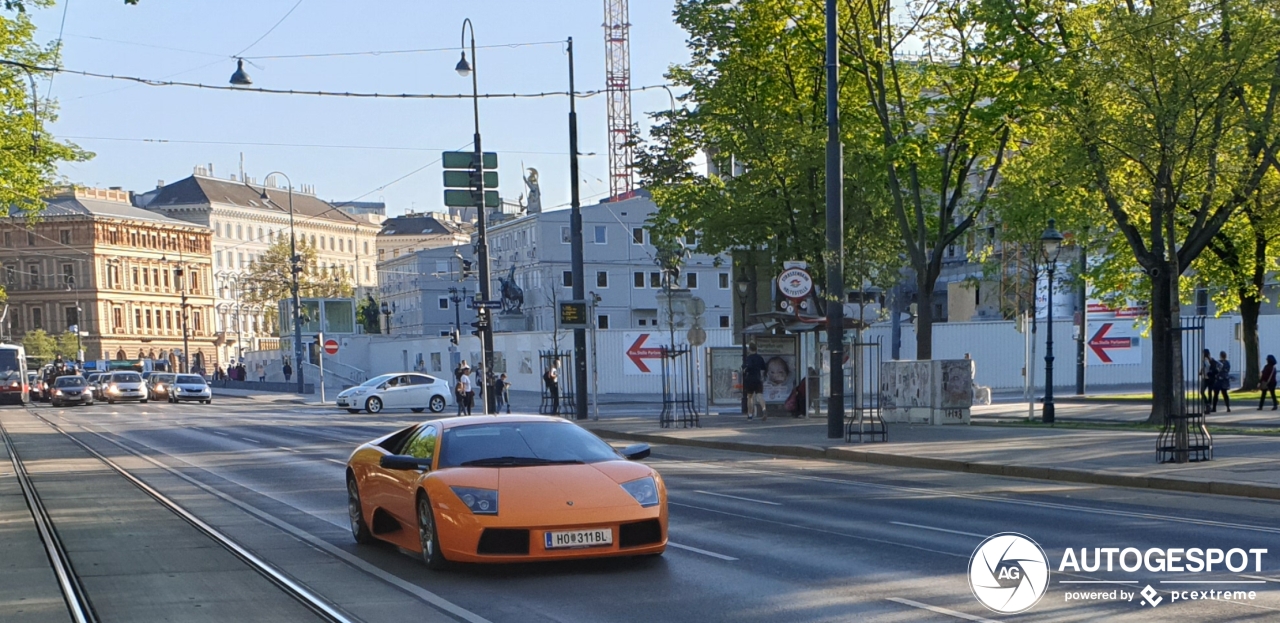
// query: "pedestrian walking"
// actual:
[[753, 371], [218, 374], [261, 371], [552, 379], [502, 393], [1222, 383], [1208, 379], [465, 391], [1267, 383], [288, 371]]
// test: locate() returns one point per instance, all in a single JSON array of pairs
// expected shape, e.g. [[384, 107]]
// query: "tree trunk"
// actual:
[[1164, 386], [924, 315], [1249, 310]]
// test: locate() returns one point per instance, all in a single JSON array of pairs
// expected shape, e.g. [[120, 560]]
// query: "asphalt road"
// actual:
[[753, 538]]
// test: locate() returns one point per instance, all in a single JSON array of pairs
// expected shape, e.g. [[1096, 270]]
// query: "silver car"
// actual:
[[190, 387], [126, 386]]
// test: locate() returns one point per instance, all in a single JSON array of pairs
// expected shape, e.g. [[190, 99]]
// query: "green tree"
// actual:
[[40, 346], [756, 80], [1169, 109], [269, 281], [67, 345]]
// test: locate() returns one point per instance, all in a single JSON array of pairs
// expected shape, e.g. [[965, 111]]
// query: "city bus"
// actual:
[[13, 375]]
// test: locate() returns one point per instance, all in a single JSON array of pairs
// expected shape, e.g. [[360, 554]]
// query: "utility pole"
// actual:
[[1083, 337], [483, 316], [575, 227], [835, 234]]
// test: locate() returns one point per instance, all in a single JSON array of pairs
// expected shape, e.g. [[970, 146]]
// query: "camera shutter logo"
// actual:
[[1008, 573]]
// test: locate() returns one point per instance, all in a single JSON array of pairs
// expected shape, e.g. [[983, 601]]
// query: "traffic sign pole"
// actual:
[[320, 359]]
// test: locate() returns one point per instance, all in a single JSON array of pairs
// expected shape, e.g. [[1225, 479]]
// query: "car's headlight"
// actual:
[[644, 490], [480, 501], [113, 389], [176, 389], [57, 392]]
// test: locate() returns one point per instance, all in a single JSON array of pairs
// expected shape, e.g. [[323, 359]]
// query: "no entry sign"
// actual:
[[331, 347]]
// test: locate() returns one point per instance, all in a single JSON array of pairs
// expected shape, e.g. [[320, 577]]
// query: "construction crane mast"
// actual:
[[617, 63]]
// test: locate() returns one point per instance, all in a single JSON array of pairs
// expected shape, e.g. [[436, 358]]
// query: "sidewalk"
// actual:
[[1244, 465]]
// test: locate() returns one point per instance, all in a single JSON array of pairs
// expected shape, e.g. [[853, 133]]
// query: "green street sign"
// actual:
[[462, 179], [465, 159], [463, 199]]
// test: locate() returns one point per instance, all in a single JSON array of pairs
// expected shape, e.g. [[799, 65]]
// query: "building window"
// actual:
[[655, 280], [724, 322], [691, 238], [37, 318], [72, 318], [366, 247], [135, 278], [218, 257], [239, 232], [117, 318], [33, 275], [602, 321], [602, 234], [8, 239], [443, 302], [64, 236], [691, 280], [637, 235], [566, 278], [565, 236], [602, 279], [639, 280], [724, 281], [219, 229], [166, 278], [195, 323], [68, 274], [10, 275], [31, 239], [168, 320], [137, 320], [643, 322], [147, 316]]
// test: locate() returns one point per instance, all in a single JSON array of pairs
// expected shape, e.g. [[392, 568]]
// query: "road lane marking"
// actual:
[[286, 449], [726, 495], [937, 610], [250, 440], [342, 463], [700, 551], [739, 470], [219, 433], [916, 525], [821, 530]]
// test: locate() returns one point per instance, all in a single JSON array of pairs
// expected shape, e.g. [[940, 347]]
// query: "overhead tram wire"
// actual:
[[161, 141], [364, 95]]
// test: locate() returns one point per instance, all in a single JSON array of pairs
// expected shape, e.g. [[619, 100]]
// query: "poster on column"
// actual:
[[1114, 341], [1064, 296]]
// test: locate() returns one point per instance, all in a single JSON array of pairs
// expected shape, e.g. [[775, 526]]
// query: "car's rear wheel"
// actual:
[[428, 536], [359, 529], [373, 404], [437, 404]]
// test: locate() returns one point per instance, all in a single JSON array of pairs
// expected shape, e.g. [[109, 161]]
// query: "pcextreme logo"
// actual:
[[1008, 573]]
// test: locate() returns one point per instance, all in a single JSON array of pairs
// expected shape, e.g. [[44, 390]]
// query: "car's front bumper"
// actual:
[[461, 533], [180, 396]]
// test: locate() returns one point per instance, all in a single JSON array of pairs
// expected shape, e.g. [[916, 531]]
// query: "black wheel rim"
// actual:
[[353, 506], [426, 529]]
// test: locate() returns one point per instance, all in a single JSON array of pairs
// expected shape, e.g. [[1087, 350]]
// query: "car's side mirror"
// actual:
[[404, 461], [636, 452]]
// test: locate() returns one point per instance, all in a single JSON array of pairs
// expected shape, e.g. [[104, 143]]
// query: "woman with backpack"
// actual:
[[1223, 382], [1267, 383], [1208, 379]]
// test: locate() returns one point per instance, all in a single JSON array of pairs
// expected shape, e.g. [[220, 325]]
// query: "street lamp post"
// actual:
[[294, 270], [576, 252], [835, 232], [1051, 245], [483, 316], [743, 284], [386, 313]]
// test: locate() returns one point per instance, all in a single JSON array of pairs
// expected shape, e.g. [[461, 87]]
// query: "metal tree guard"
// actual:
[[565, 405], [1184, 437], [679, 397], [864, 393]]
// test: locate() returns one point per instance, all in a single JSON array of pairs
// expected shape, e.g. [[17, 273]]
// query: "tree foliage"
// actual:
[[40, 346], [269, 277]]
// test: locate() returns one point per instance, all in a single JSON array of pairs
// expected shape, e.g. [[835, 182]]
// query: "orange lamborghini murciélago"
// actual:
[[505, 489]]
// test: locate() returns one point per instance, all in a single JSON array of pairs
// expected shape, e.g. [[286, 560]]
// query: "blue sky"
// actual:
[[194, 41]]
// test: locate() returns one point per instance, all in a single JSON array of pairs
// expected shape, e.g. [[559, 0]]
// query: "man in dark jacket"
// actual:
[[753, 369]]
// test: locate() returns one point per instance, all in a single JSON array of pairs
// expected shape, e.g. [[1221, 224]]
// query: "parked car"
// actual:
[[71, 390], [190, 387], [158, 385], [402, 390], [126, 386], [92, 379]]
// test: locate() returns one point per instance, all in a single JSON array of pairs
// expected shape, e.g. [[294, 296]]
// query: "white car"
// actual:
[[190, 387], [126, 386], [402, 390]]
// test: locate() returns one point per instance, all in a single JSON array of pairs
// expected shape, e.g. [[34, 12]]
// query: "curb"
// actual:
[[1055, 474]]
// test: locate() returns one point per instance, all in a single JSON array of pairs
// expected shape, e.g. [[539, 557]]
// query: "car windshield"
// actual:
[[521, 444], [69, 381], [129, 377], [162, 378], [190, 379], [378, 380]]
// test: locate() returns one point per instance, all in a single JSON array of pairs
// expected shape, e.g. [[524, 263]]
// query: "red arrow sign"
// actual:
[[1100, 342], [638, 353]]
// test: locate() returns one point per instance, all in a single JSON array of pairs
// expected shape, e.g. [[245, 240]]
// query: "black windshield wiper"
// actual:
[[517, 461]]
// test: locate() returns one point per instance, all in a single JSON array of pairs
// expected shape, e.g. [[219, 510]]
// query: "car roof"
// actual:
[[468, 420]]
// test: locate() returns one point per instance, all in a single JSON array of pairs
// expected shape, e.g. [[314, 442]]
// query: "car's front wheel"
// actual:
[[359, 529], [373, 404], [428, 536], [437, 404]]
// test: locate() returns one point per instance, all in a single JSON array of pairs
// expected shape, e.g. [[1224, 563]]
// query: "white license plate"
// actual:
[[579, 538]]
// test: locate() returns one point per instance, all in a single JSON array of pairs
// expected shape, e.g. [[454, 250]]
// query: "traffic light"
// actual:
[[454, 336]]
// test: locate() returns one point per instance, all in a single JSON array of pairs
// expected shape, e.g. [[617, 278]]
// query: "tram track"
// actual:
[[80, 601]]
